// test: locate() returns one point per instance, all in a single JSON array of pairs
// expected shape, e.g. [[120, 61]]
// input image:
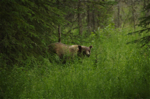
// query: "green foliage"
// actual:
[[145, 29], [99, 16], [114, 70], [26, 28]]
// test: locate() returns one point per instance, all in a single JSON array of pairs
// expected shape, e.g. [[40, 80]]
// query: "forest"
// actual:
[[119, 62]]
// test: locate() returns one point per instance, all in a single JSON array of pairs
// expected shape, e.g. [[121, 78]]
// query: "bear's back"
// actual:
[[62, 49]]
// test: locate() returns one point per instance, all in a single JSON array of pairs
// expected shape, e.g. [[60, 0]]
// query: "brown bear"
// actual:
[[67, 51]]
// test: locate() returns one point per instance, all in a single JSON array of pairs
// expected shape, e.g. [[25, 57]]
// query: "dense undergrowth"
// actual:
[[115, 70]]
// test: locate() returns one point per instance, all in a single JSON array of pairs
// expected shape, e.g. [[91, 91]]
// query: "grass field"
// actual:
[[115, 70]]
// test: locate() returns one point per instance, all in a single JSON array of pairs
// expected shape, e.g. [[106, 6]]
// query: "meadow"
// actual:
[[115, 70]]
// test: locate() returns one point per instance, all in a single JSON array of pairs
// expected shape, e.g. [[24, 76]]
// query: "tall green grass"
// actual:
[[115, 70]]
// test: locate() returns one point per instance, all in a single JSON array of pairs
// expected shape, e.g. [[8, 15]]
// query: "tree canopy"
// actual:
[[28, 26], [144, 23], [25, 27]]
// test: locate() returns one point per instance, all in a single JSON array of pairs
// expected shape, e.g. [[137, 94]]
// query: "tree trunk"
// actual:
[[59, 27], [79, 18], [59, 33], [88, 18], [148, 11], [118, 14], [144, 4], [133, 14], [93, 17]]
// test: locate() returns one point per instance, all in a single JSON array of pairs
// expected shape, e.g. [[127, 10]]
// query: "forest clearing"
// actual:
[[116, 31]]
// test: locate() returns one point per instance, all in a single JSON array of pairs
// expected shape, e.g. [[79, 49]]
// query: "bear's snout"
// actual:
[[88, 55]]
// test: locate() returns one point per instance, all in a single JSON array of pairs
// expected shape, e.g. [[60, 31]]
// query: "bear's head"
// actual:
[[84, 51]]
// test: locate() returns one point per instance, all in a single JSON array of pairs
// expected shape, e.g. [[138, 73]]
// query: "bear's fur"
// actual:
[[66, 51]]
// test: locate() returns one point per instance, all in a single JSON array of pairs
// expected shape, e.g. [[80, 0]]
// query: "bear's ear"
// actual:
[[80, 48], [91, 46]]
